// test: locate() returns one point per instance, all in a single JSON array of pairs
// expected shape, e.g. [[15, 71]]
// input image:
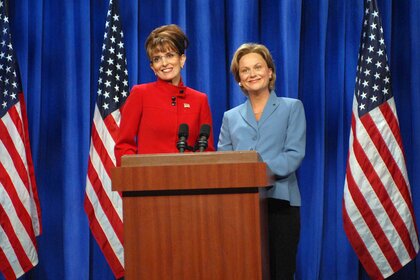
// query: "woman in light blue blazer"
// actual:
[[276, 128]]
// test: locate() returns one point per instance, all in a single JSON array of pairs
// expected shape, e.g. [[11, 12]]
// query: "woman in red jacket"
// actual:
[[153, 112]]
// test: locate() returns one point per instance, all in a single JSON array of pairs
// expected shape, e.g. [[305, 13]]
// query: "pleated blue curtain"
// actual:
[[314, 44]]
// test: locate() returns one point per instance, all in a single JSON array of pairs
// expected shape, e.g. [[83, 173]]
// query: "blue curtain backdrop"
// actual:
[[314, 44]]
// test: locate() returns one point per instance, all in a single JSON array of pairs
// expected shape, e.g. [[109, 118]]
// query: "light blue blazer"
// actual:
[[279, 137]]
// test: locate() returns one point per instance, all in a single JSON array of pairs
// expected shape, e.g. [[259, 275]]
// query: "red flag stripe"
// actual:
[[355, 218], [396, 198], [107, 159], [375, 239], [109, 229], [15, 241], [17, 189], [386, 213], [107, 130], [111, 254], [399, 199], [103, 170], [12, 140], [5, 266], [102, 205], [388, 169], [112, 204], [399, 171], [378, 213], [361, 250], [19, 204], [108, 225], [9, 262], [16, 195], [13, 136], [389, 112], [373, 222], [36, 215], [381, 134]]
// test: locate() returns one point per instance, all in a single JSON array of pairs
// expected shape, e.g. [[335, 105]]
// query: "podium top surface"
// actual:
[[208, 170], [190, 158]]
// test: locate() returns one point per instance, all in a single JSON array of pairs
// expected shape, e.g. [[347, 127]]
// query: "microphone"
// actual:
[[182, 137], [201, 144]]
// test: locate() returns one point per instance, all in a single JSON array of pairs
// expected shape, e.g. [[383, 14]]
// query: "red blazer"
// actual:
[[152, 114]]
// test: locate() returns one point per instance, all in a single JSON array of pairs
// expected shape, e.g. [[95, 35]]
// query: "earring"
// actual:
[[239, 84]]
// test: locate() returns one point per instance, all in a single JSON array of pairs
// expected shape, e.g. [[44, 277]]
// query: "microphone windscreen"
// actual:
[[205, 130], [183, 130]]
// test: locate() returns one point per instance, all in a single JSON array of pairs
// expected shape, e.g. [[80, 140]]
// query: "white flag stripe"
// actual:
[[117, 118], [106, 183], [18, 228], [383, 172], [102, 205], [16, 137], [20, 147], [20, 187], [384, 201], [7, 248], [381, 169], [103, 221], [20, 211], [370, 242], [104, 135], [12, 130], [376, 207], [389, 138], [399, 160]]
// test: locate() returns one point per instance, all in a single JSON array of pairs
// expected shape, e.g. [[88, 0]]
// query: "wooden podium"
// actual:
[[194, 216]]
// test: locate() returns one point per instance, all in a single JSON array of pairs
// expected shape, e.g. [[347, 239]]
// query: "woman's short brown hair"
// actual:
[[248, 48], [166, 37]]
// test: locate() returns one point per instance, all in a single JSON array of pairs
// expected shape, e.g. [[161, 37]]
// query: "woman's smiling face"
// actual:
[[254, 73]]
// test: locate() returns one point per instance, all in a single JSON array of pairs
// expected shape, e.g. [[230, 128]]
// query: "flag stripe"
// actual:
[[105, 201], [392, 197], [100, 140], [36, 213], [366, 258], [102, 205], [107, 221], [366, 202], [13, 144], [102, 170], [5, 266], [398, 168], [378, 213], [16, 243], [19, 204], [390, 114], [12, 202], [106, 238]]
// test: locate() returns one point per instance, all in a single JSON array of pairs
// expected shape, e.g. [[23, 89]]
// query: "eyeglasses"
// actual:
[[247, 71], [169, 56]]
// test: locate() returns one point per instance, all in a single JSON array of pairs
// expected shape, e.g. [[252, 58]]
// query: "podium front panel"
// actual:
[[201, 235]]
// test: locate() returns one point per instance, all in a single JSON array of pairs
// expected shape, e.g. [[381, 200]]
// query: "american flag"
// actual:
[[19, 204], [102, 205], [378, 212]]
